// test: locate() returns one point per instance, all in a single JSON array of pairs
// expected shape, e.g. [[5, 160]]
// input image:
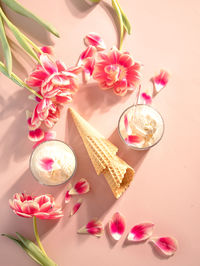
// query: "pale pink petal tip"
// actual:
[[67, 195], [95, 40], [167, 245], [141, 232], [146, 97], [76, 207], [117, 226], [47, 163], [160, 81], [94, 227], [81, 187]]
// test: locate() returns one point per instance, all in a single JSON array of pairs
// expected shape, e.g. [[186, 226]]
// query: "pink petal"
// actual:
[[30, 207], [94, 227], [47, 50], [76, 207], [95, 40], [146, 97], [29, 121], [117, 226], [61, 66], [131, 139], [88, 68], [89, 52], [167, 245], [47, 136], [67, 195], [36, 135], [47, 64], [141, 232], [160, 81], [47, 163], [126, 124], [81, 187]]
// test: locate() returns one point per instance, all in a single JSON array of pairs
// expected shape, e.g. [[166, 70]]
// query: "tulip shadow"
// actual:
[[79, 8], [29, 26], [91, 98]]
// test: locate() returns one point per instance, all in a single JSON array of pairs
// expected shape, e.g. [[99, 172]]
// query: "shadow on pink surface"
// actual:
[[79, 8]]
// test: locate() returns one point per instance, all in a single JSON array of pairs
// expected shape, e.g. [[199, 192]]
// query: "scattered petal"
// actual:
[[167, 245], [131, 139], [67, 195], [141, 232], [76, 207], [47, 50], [47, 163], [117, 226], [160, 81], [127, 126], [81, 187], [146, 97], [95, 40], [94, 227], [36, 135]]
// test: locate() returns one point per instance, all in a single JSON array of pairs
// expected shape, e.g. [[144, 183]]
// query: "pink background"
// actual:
[[166, 186]]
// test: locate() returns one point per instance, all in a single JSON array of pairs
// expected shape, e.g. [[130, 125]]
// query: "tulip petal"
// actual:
[[89, 52], [117, 226], [47, 50], [81, 187], [160, 81], [47, 163], [167, 245], [146, 97], [36, 135], [47, 64], [76, 207], [127, 126], [48, 135], [131, 139], [141, 232], [94, 227], [67, 195], [95, 40]]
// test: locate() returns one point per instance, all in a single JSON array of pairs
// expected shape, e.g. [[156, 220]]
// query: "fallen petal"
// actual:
[[36, 135], [47, 163], [160, 81], [127, 126], [47, 50], [167, 245], [81, 187], [131, 139], [94, 227], [67, 195], [117, 226], [48, 135], [76, 207], [146, 97], [95, 40], [141, 232]]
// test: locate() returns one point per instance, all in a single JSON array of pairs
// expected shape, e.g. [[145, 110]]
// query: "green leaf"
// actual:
[[17, 80], [14, 5], [126, 22], [19, 36], [6, 47], [36, 251], [17, 241], [117, 9]]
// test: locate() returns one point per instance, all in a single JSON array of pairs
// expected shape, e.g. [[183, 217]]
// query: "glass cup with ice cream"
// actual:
[[141, 126], [52, 163]]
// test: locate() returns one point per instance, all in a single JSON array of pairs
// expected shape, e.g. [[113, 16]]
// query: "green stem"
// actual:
[[37, 237], [37, 49]]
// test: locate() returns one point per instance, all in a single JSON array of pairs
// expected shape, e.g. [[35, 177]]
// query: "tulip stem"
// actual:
[[37, 237]]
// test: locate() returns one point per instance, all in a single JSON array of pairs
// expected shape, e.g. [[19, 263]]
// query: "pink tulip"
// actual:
[[28, 206], [116, 70]]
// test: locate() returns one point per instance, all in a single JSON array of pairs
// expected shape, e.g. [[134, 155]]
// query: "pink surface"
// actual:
[[166, 186]]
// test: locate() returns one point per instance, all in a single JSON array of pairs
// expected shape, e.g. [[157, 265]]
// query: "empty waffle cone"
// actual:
[[103, 156]]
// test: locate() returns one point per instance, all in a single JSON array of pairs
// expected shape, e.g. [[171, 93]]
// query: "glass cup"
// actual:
[[144, 123], [52, 163]]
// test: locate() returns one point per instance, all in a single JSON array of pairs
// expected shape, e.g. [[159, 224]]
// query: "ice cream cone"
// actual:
[[103, 156]]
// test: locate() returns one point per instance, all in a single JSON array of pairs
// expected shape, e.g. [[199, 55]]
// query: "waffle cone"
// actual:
[[103, 156]]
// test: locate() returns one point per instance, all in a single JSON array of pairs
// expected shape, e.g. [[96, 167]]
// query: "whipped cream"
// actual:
[[144, 122], [52, 162]]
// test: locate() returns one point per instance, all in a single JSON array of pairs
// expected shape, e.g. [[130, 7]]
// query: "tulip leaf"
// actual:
[[118, 12], [6, 47], [17, 241], [14, 5], [126, 22], [19, 36], [36, 251]]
